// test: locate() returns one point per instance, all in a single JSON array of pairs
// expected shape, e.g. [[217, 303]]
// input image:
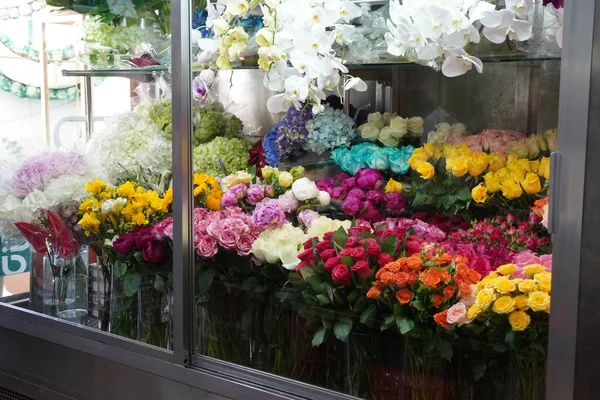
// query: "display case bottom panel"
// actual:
[[42, 370]]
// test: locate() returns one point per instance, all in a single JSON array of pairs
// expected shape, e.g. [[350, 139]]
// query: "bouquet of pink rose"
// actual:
[[494, 242]]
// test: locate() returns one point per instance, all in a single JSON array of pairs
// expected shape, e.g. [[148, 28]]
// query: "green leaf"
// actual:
[[131, 284], [327, 323], [204, 280], [250, 284], [159, 284], [479, 368], [405, 324], [446, 350], [464, 193], [348, 261], [306, 272], [340, 237], [293, 276], [319, 337], [119, 269], [538, 347], [342, 329], [368, 316], [510, 337], [270, 272], [323, 299], [390, 245], [315, 282], [418, 304], [388, 321], [138, 257], [420, 199]]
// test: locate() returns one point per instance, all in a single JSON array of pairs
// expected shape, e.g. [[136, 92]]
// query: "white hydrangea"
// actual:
[[60, 190], [128, 144]]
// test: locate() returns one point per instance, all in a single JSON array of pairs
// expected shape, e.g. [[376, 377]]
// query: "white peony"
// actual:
[[324, 198], [305, 189]]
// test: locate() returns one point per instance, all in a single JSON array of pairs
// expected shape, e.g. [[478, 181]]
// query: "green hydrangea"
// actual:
[[160, 113], [232, 152], [210, 120], [121, 38]]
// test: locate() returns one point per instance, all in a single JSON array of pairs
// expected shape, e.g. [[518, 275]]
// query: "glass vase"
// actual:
[[221, 333], [412, 371], [363, 354], [527, 379]]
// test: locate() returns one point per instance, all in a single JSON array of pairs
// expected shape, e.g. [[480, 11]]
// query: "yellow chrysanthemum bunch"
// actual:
[[207, 192], [112, 210], [502, 293]]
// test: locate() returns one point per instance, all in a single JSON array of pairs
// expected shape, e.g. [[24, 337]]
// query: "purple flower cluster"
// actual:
[[362, 196], [292, 133], [38, 170]]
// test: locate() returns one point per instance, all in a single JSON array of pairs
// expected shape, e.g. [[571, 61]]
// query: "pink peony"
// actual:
[[288, 202], [307, 217], [268, 214]]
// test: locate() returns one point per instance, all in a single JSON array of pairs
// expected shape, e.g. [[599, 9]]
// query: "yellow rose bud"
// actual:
[[502, 174], [496, 162], [490, 283], [528, 286], [544, 281], [521, 302], [531, 184], [473, 312], [504, 285], [533, 269], [479, 193], [504, 305], [544, 168], [491, 182], [519, 320], [506, 269], [426, 170], [478, 164], [511, 189], [545, 286], [539, 301], [516, 173], [484, 298], [418, 156], [285, 179], [393, 186], [431, 150], [460, 166], [534, 166]]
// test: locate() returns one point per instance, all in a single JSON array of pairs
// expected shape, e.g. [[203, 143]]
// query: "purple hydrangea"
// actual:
[[292, 132]]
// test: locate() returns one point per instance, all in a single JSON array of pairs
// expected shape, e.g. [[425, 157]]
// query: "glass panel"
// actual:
[[86, 164], [374, 255]]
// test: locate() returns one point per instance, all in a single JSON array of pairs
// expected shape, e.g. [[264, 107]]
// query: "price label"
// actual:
[[14, 258]]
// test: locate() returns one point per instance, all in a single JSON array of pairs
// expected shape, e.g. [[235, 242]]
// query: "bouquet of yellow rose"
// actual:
[[452, 177], [508, 320]]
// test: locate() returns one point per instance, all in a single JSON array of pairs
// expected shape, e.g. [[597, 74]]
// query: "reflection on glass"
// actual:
[[81, 193]]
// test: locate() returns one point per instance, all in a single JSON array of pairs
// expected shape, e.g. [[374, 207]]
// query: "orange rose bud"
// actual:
[[448, 291], [387, 277], [393, 266], [445, 276], [412, 278], [430, 278], [462, 269], [401, 278], [473, 276], [441, 319], [375, 291], [404, 296], [414, 263], [437, 300], [461, 260]]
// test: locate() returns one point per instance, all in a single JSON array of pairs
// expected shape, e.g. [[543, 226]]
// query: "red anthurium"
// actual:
[[35, 235], [61, 236]]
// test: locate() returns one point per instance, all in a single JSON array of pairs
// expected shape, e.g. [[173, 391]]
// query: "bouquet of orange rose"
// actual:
[[418, 291]]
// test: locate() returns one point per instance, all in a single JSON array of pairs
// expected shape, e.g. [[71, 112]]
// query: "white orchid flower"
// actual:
[[356, 84], [521, 8], [500, 24], [480, 10], [237, 7], [459, 62]]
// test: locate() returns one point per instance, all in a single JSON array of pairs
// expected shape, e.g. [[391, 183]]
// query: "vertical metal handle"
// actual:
[[553, 191]]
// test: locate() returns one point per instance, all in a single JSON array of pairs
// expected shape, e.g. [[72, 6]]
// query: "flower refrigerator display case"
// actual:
[[371, 205]]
